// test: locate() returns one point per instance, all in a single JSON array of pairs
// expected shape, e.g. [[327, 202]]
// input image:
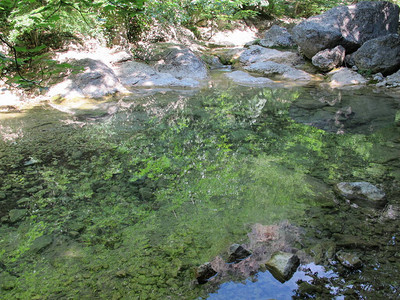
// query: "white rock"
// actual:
[[260, 54], [345, 77], [270, 68], [97, 80]]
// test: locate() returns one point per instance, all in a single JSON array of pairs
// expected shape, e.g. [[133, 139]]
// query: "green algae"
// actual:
[[135, 201]]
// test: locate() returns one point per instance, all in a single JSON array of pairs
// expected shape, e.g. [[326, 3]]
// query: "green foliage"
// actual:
[[30, 28], [302, 8]]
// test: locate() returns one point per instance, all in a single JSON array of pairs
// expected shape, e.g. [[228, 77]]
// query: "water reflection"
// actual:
[[264, 286], [165, 182], [345, 111]]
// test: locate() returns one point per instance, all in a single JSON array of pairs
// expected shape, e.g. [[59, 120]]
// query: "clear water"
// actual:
[[125, 198], [264, 286]]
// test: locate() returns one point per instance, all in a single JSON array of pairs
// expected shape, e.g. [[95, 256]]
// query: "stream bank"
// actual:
[[125, 196]]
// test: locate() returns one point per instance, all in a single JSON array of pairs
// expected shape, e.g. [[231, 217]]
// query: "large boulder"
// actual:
[[380, 55], [278, 37], [328, 59], [391, 80], [97, 80], [349, 26], [176, 60], [136, 74]]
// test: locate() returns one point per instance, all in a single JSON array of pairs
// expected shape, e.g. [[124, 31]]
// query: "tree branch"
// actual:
[[17, 66]]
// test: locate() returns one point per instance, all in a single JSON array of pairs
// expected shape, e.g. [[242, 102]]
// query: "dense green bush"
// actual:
[[30, 29]]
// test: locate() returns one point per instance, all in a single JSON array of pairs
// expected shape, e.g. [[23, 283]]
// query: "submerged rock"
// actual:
[[41, 243], [17, 215], [363, 194], [283, 265], [237, 253], [323, 252], [349, 260], [354, 242], [205, 272]]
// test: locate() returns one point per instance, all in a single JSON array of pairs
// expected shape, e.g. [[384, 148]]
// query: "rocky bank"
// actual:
[[342, 47]]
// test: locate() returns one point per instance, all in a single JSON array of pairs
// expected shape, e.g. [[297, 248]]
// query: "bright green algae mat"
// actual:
[[127, 205]]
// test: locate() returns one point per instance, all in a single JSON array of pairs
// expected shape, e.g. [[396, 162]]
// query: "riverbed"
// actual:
[[125, 197]]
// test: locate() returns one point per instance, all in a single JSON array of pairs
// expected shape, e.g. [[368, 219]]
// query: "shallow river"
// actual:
[[126, 198]]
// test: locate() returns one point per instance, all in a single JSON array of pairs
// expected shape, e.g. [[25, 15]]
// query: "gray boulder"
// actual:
[[258, 54], [136, 74], [228, 56], [349, 26], [97, 80], [363, 194], [131, 73], [176, 60], [380, 55], [283, 265], [270, 68], [328, 59], [391, 80], [277, 36]]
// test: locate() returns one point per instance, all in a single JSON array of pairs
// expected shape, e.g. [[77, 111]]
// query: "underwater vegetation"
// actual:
[[126, 205]]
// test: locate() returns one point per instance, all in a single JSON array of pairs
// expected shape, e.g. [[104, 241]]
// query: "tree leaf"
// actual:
[[21, 49]]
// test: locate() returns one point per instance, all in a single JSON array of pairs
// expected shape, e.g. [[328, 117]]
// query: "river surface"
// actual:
[[126, 197]]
